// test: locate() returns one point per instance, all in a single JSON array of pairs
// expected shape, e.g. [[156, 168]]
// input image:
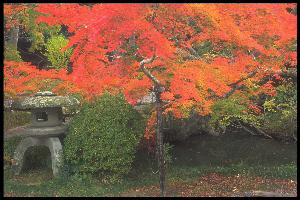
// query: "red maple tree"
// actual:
[[110, 41]]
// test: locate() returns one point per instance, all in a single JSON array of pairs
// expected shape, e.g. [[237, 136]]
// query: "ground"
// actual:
[[209, 185], [202, 166], [218, 185]]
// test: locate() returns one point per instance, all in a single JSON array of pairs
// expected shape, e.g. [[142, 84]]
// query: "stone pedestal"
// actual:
[[45, 128], [38, 136], [54, 145]]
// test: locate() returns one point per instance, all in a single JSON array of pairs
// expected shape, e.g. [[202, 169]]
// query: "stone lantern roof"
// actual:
[[45, 99]]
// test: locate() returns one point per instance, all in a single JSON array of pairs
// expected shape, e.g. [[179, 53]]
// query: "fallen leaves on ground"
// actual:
[[217, 185]]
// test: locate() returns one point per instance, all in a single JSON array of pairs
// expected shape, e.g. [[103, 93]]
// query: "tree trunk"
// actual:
[[159, 141], [158, 89], [14, 37]]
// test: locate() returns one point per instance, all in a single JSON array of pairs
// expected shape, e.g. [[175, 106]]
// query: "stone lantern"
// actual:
[[45, 128]]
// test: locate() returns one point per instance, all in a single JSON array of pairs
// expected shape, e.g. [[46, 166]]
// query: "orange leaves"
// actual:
[[269, 89], [110, 40], [220, 61], [256, 109], [101, 30], [167, 96], [291, 57], [105, 28], [277, 77], [135, 89], [11, 9], [238, 23], [12, 13], [21, 77], [150, 128]]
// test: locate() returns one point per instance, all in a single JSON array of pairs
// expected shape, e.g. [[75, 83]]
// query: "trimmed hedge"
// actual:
[[103, 138]]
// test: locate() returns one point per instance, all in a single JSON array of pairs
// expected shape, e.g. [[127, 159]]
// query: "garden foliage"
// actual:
[[205, 53], [103, 138], [58, 58]]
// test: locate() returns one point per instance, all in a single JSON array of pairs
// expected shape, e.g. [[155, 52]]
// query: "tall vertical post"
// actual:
[[158, 89], [159, 140]]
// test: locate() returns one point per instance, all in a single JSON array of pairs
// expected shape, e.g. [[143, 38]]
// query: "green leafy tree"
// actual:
[[57, 57]]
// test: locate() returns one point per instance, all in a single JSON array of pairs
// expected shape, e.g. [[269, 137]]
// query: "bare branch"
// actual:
[[192, 52], [246, 129], [236, 87], [250, 75], [262, 132], [147, 72]]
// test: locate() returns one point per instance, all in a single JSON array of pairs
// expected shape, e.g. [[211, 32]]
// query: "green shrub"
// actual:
[[54, 54], [227, 111], [103, 138], [11, 53], [280, 115], [9, 146]]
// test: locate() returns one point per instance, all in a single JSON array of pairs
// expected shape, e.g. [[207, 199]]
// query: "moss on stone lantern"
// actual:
[[46, 108], [45, 129]]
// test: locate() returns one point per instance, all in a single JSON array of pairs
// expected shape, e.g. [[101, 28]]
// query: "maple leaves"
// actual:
[[223, 44], [22, 77], [101, 30], [13, 14]]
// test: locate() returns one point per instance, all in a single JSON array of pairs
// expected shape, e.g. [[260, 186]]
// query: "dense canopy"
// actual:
[[204, 52]]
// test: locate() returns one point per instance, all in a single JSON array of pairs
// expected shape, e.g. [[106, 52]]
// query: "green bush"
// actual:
[[280, 112], [11, 53], [103, 138], [9, 146], [278, 119], [54, 54], [228, 111]]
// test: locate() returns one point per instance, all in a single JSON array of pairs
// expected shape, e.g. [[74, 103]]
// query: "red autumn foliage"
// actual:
[[111, 39]]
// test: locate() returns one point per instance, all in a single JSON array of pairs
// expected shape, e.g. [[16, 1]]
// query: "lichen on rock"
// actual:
[[45, 100]]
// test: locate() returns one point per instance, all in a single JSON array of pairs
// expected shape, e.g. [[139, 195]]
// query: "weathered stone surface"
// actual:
[[54, 117], [46, 125], [55, 148], [54, 145], [45, 100], [45, 93], [28, 131], [8, 103]]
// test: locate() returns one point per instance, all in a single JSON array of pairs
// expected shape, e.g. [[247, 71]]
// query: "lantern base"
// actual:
[[54, 145]]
